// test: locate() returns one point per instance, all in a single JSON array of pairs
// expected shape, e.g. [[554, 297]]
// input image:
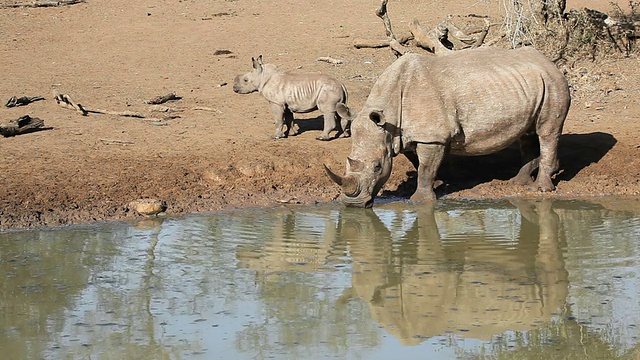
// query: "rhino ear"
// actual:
[[260, 60], [377, 117], [345, 112], [255, 64]]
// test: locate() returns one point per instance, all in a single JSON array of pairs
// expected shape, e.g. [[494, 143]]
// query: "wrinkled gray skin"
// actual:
[[289, 93], [472, 102]]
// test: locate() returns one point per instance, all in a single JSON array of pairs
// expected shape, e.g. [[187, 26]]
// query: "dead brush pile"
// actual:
[[579, 41]]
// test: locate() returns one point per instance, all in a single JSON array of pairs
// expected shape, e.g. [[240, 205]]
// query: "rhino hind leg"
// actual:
[[529, 155], [345, 125], [329, 125], [430, 157]]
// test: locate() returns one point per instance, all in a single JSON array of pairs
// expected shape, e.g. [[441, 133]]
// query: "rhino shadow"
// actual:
[[309, 124], [575, 152]]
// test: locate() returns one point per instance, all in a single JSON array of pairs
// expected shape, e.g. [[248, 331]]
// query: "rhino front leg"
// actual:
[[329, 124], [278, 117], [429, 157]]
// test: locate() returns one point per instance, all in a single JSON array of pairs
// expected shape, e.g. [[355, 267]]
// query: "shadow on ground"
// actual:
[[576, 152]]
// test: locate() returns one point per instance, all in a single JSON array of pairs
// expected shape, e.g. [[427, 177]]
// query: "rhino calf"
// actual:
[[472, 102], [289, 93]]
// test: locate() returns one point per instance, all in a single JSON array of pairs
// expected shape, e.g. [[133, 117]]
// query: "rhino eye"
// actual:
[[377, 168]]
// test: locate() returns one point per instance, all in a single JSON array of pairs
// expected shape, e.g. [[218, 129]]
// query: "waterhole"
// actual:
[[463, 279]]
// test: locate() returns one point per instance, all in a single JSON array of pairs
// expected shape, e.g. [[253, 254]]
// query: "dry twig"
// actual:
[[330, 60]]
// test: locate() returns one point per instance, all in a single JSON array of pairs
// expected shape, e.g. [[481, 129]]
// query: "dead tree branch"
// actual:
[[66, 102], [394, 44]]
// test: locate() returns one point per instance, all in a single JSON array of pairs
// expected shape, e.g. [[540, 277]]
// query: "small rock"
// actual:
[[148, 206]]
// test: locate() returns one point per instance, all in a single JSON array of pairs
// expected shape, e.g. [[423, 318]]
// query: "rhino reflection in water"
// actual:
[[427, 275], [424, 286], [472, 102]]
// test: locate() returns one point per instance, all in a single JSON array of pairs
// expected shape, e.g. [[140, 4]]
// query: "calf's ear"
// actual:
[[257, 63], [345, 112]]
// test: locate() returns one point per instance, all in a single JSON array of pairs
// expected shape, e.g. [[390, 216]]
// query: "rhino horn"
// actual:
[[349, 184], [335, 177]]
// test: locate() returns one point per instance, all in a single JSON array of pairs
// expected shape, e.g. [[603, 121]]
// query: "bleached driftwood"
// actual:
[[66, 102]]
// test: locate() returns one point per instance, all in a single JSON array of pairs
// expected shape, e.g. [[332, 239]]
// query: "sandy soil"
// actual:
[[211, 150]]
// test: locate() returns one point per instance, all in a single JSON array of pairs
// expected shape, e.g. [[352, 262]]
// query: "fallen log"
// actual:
[[43, 3], [22, 125], [163, 99], [15, 101]]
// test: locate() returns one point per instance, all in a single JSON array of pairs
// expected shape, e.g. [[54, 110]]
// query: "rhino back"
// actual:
[[302, 92], [491, 95]]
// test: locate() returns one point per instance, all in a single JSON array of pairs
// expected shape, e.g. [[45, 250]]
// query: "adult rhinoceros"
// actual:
[[472, 102]]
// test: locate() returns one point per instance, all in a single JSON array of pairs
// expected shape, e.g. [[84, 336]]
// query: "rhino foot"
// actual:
[[522, 179], [543, 186], [422, 196], [323, 138]]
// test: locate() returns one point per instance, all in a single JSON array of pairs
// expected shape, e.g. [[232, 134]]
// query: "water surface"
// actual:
[[471, 280]]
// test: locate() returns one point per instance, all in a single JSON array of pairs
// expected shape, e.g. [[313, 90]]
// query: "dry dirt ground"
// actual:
[[212, 150]]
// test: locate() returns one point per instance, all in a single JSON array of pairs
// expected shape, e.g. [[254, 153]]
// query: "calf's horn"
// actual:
[[349, 183]]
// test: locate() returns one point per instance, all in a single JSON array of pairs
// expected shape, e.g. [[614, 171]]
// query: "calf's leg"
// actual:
[[329, 124], [278, 117], [292, 128], [346, 131]]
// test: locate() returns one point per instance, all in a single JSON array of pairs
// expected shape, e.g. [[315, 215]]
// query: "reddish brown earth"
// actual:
[[115, 54]]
